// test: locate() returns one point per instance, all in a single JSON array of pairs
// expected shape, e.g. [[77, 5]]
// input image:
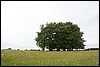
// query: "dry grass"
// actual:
[[53, 58]]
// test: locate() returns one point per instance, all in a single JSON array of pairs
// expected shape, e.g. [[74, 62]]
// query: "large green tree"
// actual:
[[60, 36]]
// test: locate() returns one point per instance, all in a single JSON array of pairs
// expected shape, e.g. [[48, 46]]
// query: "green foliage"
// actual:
[[60, 36], [52, 58]]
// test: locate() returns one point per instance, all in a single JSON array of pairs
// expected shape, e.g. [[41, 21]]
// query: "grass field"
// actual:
[[51, 58]]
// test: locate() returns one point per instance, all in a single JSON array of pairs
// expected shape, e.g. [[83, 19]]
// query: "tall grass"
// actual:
[[51, 58]]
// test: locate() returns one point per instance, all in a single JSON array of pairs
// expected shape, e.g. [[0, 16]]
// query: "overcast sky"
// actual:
[[20, 20]]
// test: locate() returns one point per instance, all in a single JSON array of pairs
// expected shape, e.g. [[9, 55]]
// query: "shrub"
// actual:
[[17, 49], [9, 49]]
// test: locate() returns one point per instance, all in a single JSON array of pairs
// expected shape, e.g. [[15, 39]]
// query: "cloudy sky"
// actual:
[[20, 20]]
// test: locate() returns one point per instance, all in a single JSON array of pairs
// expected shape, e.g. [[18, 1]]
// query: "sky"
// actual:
[[20, 20]]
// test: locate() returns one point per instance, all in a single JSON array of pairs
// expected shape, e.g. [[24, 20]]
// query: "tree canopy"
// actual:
[[60, 36]]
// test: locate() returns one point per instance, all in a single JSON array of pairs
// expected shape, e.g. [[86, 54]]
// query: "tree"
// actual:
[[18, 49], [60, 36], [9, 49]]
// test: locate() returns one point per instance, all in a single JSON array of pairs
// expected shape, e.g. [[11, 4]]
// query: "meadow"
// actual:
[[50, 58]]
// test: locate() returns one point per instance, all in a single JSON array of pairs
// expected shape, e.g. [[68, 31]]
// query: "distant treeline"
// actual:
[[24, 49], [40, 50], [92, 49]]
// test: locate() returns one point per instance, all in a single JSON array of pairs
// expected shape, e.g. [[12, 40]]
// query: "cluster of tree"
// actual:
[[7, 49], [60, 36], [92, 49], [34, 50]]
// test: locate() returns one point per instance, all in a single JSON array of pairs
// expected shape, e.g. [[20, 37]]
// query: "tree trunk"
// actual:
[[69, 49], [58, 49], [50, 50], [64, 50], [43, 49]]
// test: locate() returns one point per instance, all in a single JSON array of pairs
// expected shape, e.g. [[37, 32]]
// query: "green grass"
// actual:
[[51, 58]]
